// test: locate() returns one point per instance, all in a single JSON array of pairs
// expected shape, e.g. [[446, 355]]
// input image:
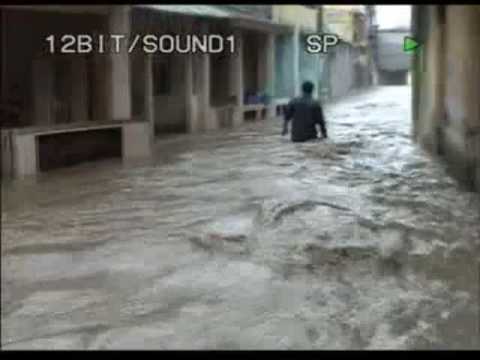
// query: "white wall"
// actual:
[[341, 70]]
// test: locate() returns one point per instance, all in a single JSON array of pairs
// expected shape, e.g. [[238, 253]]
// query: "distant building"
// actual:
[[350, 65], [393, 63]]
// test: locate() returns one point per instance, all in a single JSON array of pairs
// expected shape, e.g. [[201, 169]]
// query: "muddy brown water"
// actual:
[[243, 240]]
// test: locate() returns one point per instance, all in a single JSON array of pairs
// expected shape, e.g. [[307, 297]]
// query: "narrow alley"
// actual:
[[243, 240]]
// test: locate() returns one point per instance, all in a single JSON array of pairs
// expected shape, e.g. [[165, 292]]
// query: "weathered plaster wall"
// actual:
[[462, 93], [446, 82]]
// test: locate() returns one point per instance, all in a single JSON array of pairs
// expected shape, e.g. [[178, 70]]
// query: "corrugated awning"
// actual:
[[260, 25], [236, 19], [192, 10]]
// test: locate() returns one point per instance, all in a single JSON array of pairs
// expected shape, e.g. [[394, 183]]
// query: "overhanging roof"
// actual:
[[192, 10], [260, 25], [211, 11], [74, 9]]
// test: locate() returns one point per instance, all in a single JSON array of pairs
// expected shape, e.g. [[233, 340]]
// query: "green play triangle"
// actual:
[[410, 44]]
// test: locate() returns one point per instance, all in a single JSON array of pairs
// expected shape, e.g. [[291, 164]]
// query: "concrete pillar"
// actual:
[[79, 89], [25, 155], [446, 83], [296, 48], [135, 140], [236, 79], [462, 91], [430, 72], [193, 125], [43, 75], [270, 73], [208, 115], [149, 107], [120, 92], [418, 32]]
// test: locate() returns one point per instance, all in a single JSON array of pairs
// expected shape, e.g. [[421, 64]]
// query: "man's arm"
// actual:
[[320, 120], [287, 117]]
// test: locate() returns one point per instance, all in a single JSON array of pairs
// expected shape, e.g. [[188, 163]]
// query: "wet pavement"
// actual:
[[243, 240]]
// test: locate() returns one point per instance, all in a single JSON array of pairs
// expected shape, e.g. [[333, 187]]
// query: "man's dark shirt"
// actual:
[[305, 113]]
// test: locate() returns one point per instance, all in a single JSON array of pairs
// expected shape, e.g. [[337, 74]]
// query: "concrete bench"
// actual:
[[135, 142], [280, 105], [260, 110]]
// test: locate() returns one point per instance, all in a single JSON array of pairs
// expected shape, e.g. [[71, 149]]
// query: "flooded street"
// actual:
[[243, 240]]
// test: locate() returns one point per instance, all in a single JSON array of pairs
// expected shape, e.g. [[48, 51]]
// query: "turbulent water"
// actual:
[[243, 240]]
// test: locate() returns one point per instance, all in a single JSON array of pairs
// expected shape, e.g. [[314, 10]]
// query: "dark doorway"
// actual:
[[68, 149]]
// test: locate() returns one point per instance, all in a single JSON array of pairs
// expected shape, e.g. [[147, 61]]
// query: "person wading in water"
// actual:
[[305, 113]]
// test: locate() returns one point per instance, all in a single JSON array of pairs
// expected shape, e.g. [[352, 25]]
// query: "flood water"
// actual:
[[243, 240]]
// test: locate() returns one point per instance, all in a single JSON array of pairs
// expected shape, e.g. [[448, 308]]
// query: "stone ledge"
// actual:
[[59, 128]]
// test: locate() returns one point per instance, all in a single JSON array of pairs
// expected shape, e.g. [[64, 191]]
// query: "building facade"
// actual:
[[446, 87], [77, 107], [293, 64], [60, 109], [393, 63], [350, 65]]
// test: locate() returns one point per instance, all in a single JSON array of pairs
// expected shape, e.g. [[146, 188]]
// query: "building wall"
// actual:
[[284, 66], [339, 20], [428, 75], [446, 83], [462, 93], [391, 56], [341, 70], [349, 65], [395, 78], [263, 12], [296, 15], [293, 64]]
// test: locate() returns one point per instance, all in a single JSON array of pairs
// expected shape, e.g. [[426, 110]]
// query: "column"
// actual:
[[120, 91], [149, 107], [190, 100], [270, 74], [236, 77], [25, 155], [208, 116], [296, 61]]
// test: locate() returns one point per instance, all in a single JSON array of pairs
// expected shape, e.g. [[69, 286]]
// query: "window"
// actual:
[[161, 70]]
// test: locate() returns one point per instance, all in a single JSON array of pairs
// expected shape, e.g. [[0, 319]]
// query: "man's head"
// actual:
[[307, 88]]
